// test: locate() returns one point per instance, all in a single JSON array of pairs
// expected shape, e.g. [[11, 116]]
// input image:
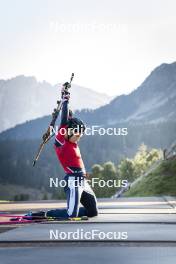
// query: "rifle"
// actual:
[[47, 136]]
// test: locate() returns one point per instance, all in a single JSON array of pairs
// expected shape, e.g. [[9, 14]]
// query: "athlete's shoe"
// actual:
[[35, 216]]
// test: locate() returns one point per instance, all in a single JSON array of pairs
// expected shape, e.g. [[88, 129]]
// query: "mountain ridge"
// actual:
[[152, 102], [24, 98], [157, 90]]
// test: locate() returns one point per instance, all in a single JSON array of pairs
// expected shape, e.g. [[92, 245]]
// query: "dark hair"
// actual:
[[76, 124]]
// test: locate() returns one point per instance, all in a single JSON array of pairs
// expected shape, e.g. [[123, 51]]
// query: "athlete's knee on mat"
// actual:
[[72, 214]]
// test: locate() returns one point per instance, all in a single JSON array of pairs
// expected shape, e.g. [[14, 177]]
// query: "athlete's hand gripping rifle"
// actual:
[[47, 136]]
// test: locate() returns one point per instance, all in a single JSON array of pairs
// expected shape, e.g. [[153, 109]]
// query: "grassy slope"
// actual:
[[162, 181]]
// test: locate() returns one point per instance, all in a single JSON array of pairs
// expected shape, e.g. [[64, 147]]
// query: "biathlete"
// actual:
[[77, 189]]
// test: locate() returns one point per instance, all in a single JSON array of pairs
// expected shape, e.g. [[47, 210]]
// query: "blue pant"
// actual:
[[78, 191]]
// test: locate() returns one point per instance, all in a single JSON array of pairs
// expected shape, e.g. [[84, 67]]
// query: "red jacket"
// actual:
[[67, 152]]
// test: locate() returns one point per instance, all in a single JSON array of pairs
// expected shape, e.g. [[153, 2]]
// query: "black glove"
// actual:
[[46, 136], [66, 85], [65, 94]]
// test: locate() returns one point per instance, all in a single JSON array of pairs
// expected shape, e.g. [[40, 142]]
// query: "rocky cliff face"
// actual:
[[153, 101]]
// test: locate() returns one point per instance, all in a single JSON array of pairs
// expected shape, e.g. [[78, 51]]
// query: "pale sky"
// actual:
[[110, 45]]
